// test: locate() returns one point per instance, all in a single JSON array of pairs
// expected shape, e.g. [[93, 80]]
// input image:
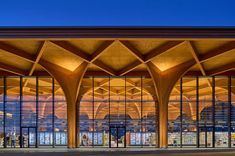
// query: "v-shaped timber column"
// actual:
[[164, 83], [70, 83]]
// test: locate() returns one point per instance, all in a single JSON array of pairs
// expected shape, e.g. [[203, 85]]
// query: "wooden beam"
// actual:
[[103, 73], [65, 45], [104, 46], [97, 73], [195, 56], [218, 51], [172, 69], [222, 69], [56, 67], [133, 50], [40, 51], [111, 89], [193, 73], [7, 73], [103, 82], [129, 68], [170, 45], [18, 52], [228, 73], [12, 69], [40, 73], [104, 67], [138, 73]]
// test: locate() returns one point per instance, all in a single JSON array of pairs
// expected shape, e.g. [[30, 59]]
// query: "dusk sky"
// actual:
[[117, 13]]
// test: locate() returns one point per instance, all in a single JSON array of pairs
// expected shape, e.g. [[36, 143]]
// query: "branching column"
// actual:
[[70, 83], [164, 83]]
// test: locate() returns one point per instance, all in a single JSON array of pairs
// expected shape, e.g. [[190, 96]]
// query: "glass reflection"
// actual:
[[117, 112], [35, 112], [201, 112]]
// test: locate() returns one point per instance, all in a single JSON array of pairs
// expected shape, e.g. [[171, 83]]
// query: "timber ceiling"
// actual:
[[116, 57]]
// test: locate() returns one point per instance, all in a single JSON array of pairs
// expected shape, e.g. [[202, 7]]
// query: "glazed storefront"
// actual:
[[202, 113], [114, 112], [33, 113], [118, 112]]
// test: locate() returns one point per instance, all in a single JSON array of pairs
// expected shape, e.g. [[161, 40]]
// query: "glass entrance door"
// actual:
[[28, 138], [117, 137], [205, 136]]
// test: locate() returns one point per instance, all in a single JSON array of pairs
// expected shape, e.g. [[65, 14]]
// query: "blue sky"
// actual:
[[117, 13]]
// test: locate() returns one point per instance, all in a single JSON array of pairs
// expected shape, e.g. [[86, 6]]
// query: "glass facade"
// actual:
[[33, 112], [201, 112], [118, 112]]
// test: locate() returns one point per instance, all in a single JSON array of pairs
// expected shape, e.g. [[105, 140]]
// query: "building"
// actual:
[[117, 87]]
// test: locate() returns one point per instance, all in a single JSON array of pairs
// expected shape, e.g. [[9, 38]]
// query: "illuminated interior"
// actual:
[[201, 112], [33, 112], [123, 105]]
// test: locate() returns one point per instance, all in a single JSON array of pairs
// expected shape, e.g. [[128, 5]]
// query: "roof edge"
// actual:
[[117, 32]]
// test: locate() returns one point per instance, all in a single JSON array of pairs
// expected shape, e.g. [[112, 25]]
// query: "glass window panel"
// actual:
[[58, 92], [1, 89], [221, 136], [117, 82], [1, 111], [189, 89], [174, 124], [205, 113], [148, 90], [45, 81], [29, 89], [28, 114], [86, 90], [86, 123], [1, 124], [205, 88], [221, 112], [221, 88], [45, 121], [60, 117], [60, 123], [232, 112], [175, 93], [13, 88], [45, 89], [12, 123], [149, 123], [101, 88]]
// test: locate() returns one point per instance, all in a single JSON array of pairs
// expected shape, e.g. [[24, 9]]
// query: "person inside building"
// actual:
[[13, 139]]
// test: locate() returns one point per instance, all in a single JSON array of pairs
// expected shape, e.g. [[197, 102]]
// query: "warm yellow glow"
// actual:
[[7, 114], [164, 65], [69, 64]]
